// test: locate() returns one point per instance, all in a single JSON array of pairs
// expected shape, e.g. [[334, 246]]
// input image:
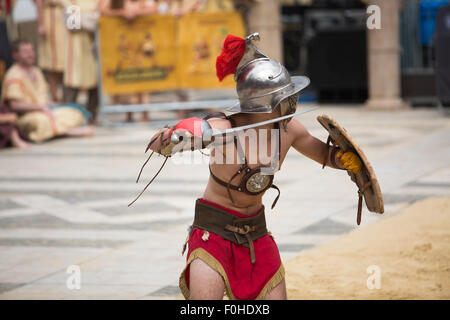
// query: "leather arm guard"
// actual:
[[343, 160], [333, 157], [188, 134]]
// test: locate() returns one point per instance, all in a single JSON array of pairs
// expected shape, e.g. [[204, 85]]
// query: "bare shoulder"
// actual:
[[219, 123], [296, 130]]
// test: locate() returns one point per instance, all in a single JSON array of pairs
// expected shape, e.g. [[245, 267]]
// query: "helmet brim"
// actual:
[[299, 83]]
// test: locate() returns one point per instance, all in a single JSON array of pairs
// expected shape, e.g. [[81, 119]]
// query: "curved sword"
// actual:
[[259, 124]]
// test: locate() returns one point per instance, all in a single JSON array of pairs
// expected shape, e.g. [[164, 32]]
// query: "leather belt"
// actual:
[[242, 231]]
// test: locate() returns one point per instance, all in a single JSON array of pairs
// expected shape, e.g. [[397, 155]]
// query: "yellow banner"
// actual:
[[201, 36], [139, 55], [161, 52]]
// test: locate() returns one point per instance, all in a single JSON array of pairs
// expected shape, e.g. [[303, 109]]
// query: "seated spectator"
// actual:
[[9, 134], [25, 92]]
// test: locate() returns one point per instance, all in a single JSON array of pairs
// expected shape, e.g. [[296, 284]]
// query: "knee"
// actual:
[[278, 292], [205, 282]]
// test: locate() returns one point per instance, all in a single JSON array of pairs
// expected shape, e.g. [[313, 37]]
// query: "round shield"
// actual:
[[365, 179]]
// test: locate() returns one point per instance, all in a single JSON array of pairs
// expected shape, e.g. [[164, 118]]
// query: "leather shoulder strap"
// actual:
[[230, 118], [221, 182], [240, 151], [215, 115]]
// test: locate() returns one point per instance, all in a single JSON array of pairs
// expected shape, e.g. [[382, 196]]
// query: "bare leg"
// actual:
[[54, 81], [115, 99], [70, 94], [144, 99], [145, 117], [205, 282], [182, 114], [84, 131], [129, 117], [182, 96], [17, 141], [277, 293], [92, 104], [132, 99]]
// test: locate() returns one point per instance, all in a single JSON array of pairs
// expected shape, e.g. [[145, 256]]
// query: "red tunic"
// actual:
[[243, 280]]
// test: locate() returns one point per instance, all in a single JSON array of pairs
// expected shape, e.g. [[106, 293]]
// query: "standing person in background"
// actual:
[[52, 42], [5, 50], [129, 9], [80, 72]]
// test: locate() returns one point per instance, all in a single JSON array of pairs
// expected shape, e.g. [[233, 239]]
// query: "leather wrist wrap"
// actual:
[[333, 159]]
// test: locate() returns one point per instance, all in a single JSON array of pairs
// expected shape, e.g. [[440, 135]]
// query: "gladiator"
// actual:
[[229, 248]]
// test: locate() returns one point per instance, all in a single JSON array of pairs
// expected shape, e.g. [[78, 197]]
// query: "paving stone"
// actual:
[[443, 185], [144, 208], [8, 204], [390, 198], [166, 291], [293, 247], [6, 286], [36, 242], [46, 221], [326, 226]]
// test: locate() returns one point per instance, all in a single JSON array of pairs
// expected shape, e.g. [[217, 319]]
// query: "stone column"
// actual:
[[265, 17], [383, 50]]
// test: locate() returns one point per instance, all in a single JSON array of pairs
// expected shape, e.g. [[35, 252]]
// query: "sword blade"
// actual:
[[259, 124]]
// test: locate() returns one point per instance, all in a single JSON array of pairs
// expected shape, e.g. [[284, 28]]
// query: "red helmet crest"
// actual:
[[232, 52]]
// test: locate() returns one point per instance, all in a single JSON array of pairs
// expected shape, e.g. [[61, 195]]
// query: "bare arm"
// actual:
[[129, 11], [145, 9], [310, 146], [20, 106], [195, 6], [186, 128], [104, 7], [40, 14], [8, 118]]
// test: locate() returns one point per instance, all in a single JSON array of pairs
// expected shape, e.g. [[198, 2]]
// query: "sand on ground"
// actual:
[[411, 251]]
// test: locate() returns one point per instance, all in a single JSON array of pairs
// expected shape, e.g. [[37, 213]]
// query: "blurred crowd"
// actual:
[[39, 99]]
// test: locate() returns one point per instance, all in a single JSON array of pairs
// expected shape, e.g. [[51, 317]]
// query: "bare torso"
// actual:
[[244, 203], [295, 136]]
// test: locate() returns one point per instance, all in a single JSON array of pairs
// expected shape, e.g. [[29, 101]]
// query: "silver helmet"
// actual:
[[262, 83]]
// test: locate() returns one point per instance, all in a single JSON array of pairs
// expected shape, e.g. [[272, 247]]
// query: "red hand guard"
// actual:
[[191, 128], [189, 125]]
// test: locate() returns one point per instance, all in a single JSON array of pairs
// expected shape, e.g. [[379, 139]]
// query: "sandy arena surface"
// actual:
[[411, 248]]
